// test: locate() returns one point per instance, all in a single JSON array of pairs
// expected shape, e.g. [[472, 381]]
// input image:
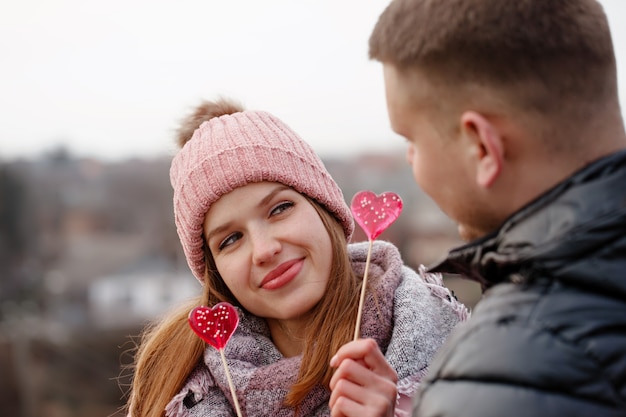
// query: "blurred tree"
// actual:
[[13, 236], [17, 284]]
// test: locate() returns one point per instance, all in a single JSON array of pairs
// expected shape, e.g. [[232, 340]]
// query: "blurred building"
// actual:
[[134, 298]]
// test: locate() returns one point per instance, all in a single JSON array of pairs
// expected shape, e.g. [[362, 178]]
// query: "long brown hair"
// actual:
[[332, 319], [169, 350]]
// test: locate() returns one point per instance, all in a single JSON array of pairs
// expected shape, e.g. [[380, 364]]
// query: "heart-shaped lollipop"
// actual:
[[214, 325], [374, 213]]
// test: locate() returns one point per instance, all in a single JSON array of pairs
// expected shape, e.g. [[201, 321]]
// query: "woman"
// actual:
[[265, 227]]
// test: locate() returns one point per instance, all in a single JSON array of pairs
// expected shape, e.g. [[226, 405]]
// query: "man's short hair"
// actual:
[[564, 46]]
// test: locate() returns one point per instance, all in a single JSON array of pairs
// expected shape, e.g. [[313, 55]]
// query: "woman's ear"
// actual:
[[487, 145]]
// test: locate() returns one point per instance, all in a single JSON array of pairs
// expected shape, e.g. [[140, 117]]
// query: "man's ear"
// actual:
[[487, 145]]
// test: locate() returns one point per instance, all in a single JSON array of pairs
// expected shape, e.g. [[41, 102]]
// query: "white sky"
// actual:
[[112, 79]]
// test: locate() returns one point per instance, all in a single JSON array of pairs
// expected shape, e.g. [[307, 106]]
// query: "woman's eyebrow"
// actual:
[[265, 200], [268, 197], [217, 230]]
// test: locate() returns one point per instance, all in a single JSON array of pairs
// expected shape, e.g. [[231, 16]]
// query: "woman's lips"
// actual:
[[282, 275]]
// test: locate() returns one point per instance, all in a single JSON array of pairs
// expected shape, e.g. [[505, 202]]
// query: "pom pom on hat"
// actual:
[[232, 150]]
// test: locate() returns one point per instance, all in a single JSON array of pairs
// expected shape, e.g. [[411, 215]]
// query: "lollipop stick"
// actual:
[[357, 329], [230, 384]]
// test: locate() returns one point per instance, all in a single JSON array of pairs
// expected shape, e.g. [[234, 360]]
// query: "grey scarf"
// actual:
[[409, 314]]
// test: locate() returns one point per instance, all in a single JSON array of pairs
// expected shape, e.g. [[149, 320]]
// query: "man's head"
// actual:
[[497, 99]]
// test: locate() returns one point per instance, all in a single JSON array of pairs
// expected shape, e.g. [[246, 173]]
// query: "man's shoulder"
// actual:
[[525, 340]]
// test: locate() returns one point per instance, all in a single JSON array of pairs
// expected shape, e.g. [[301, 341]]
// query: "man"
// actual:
[[511, 114]]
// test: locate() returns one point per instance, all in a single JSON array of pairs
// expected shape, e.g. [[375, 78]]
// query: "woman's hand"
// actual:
[[364, 383]]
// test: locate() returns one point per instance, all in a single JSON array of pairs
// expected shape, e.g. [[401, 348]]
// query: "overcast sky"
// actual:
[[112, 79]]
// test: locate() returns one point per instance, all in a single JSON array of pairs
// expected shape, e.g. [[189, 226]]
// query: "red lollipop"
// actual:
[[215, 326]]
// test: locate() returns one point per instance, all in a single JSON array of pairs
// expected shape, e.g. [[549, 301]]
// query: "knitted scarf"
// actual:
[[409, 314]]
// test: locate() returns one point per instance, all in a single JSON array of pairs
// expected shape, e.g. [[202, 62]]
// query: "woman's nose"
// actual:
[[264, 247]]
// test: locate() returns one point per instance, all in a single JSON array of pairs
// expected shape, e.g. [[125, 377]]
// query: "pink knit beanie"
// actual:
[[236, 149]]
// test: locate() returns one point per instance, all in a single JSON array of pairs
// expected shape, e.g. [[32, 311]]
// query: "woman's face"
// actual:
[[270, 248]]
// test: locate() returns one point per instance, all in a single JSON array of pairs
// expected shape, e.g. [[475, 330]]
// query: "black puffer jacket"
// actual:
[[549, 336]]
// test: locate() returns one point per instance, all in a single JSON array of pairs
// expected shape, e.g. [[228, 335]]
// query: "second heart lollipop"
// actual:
[[374, 213]]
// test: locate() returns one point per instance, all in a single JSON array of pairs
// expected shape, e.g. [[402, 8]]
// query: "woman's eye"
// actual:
[[230, 239], [281, 208]]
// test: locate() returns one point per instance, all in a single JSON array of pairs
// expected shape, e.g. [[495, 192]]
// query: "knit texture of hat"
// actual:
[[233, 150]]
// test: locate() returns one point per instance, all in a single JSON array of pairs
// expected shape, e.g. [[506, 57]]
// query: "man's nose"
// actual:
[[410, 153]]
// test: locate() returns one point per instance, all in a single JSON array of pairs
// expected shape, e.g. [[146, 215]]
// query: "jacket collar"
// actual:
[[566, 222]]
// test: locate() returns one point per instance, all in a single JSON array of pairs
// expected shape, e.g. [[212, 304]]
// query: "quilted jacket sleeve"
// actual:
[[530, 353]]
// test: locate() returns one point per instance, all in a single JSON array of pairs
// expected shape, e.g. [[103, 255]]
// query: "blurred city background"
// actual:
[[89, 254]]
